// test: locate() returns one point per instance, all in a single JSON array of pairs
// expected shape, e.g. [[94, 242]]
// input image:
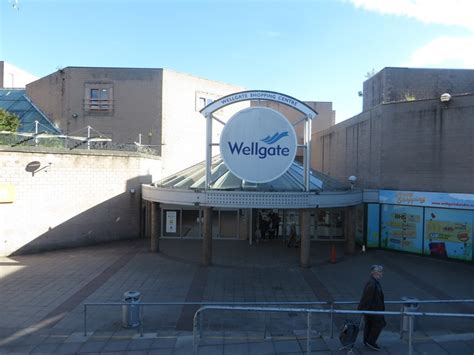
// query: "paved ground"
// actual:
[[42, 296]]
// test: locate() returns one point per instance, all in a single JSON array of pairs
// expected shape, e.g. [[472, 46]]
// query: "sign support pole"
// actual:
[[307, 153], [208, 150]]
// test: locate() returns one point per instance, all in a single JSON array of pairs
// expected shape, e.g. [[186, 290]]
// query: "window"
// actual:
[[202, 100], [98, 98], [202, 103]]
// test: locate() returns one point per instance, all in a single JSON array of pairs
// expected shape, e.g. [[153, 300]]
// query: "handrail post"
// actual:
[[264, 325], [308, 335], [141, 320], [195, 345], [410, 335], [332, 319], [200, 325], [85, 319]]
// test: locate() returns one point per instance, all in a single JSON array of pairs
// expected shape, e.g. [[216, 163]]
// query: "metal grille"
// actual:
[[257, 199]]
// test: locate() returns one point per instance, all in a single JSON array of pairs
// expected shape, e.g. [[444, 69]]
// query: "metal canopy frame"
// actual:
[[260, 95]]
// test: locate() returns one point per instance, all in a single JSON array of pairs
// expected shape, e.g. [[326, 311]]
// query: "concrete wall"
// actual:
[[13, 77], [408, 84], [184, 128], [419, 145], [49, 95], [136, 100], [326, 118], [82, 198]]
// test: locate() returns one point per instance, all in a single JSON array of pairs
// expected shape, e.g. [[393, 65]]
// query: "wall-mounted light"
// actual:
[[445, 97], [132, 191]]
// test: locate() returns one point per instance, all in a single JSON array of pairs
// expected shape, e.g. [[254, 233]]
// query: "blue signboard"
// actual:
[[427, 199]]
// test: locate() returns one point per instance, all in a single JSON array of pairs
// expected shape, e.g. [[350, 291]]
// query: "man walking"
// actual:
[[373, 300]]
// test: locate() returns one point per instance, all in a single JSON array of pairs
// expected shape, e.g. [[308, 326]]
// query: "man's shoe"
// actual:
[[373, 346]]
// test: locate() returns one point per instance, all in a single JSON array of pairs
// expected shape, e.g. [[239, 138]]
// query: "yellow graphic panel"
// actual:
[[449, 231], [7, 193]]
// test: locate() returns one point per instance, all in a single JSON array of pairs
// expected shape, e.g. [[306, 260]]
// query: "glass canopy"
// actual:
[[17, 102], [222, 179]]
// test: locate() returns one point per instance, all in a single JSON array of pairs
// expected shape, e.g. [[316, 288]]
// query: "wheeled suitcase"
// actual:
[[349, 332]]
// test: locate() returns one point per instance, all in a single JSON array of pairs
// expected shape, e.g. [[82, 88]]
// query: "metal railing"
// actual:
[[168, 304], [251, 307], [309, 311], [401, 302]]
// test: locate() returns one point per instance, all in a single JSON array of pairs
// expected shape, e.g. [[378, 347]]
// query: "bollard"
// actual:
[[332, 320], [308, 335], [332, 259]]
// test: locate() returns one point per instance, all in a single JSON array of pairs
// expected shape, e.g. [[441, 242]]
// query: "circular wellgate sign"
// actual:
[[258, 144]]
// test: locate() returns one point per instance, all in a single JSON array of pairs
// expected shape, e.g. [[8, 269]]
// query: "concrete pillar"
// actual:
[[349, 230], [305, 246], [147, 219], [207, 237], [142, 230], [154, 228]]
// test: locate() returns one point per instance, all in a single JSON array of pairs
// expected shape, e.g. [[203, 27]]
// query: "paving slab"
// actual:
[[457, 347], [160, 351], [116, 345], [263, 348], [234, 349]]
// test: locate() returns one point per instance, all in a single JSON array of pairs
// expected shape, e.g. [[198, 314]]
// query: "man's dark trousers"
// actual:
[[372, 328]]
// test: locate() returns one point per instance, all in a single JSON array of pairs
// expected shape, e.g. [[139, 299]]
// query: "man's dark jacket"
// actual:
[[372, 297]]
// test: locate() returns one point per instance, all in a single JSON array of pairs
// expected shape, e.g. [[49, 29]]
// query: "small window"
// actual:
[[202, 103], [202, 100], [98, 98]]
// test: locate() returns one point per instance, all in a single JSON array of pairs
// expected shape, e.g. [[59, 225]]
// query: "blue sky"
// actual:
[[317, 50]]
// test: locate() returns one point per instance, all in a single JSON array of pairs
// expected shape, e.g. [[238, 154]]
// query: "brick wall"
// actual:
[[82, 198]]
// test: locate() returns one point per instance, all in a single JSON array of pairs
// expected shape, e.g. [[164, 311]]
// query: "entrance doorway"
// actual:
[[179, 222], [277, 224], [268, 224]]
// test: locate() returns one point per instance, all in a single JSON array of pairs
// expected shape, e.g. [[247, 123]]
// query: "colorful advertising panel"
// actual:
[[402, 228], [427, 199], [373, 225], [448, 233]]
